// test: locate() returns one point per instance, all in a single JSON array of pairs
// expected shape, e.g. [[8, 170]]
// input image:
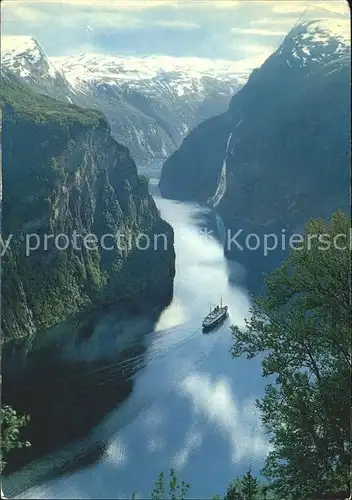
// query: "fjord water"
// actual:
[[191, 407]]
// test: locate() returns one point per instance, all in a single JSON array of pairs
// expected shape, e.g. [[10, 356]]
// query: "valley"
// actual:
[[150, 421]]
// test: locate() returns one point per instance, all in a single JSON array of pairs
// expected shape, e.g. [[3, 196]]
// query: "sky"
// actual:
[[244, 30]]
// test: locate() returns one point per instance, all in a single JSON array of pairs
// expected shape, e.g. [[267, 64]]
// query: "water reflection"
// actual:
[[203, 276], [192, 410], [191, 406], [68, 379]]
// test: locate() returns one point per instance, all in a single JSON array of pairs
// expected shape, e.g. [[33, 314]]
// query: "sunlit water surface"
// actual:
[[192, 406]]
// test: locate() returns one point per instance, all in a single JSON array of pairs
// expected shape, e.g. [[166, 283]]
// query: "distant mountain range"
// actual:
[[151, 102]]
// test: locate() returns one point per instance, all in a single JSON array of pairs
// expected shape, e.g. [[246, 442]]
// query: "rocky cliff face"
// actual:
[[65, 175], [280, 154], [150, 102]]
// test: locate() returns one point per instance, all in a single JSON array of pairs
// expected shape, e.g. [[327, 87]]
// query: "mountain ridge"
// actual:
[[268, 89], [150, 102], [280, 154]]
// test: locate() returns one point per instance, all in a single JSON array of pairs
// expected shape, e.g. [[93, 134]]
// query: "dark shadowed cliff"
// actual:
[[63, 173], [280, 154]]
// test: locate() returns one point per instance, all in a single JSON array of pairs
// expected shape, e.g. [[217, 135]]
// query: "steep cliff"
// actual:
[[64, 174], [280, 154]]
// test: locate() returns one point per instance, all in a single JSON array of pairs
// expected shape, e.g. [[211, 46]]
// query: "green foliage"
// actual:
[[245, 488], [158, 492], [234, 490], [11, 425], [176, 491], [303, 328], [250, 486], [38, 108], [52, 188]]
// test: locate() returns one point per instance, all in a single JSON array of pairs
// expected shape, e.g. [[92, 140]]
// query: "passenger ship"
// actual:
[[215, 317]]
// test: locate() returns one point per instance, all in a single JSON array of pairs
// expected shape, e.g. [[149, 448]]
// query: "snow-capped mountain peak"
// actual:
[[23, 57], [21, 54], [150, 102], [320, 41], [324, 29], [184, 75], [145, 67], [20, 45]]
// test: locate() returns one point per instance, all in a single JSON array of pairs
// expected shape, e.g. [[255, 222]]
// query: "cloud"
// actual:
[[339, 7], [274, 21], [227, 4], [90, 16], [259, 31], [119, 15], [254, 48], [23, 13], [139, 5], [239, 423], [206, 4], [193, 441], [288, 7], [215, 29], [131, 5], [120, 5], [183, 25]]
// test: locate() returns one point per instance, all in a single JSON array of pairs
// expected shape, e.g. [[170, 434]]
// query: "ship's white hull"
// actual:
[[209, 324]]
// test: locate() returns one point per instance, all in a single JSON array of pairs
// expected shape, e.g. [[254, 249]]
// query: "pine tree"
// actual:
[[244, 488], [250, 486], [302, 326]]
